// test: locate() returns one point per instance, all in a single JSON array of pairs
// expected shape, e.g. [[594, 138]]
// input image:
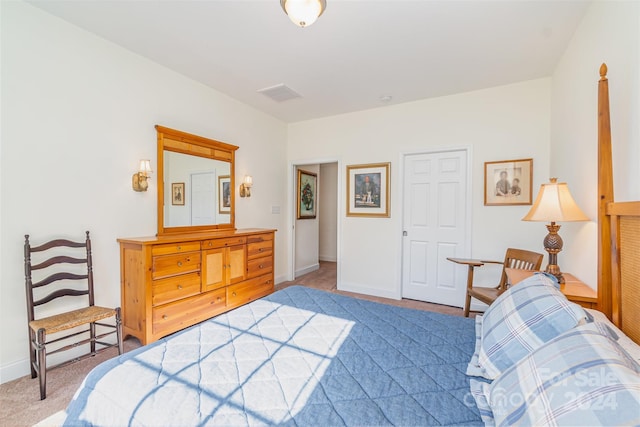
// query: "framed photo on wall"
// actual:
[[307, 194], [177, 194], [368, 190], [224, 194], [508, 182]]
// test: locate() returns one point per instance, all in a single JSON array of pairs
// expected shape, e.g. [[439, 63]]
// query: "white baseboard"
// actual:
[[328, 258], [14, 370], [307, 269], [280, 279], [366, 290]]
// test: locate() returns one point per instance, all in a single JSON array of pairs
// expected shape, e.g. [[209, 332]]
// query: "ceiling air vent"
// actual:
[[280, 93]]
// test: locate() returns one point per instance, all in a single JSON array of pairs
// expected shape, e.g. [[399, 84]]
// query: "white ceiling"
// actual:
[[357, 51]]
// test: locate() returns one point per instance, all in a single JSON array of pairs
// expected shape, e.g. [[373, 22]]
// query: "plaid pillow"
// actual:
[[581, 377], [520, 320]]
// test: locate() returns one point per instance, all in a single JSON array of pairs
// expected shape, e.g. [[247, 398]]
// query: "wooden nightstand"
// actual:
[[578, 292]]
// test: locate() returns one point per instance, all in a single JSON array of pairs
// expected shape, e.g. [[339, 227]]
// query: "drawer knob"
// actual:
[[260, 266], [165, 317], [267, 282], [261, 249], [179, 286], [233, 294], [179, 263], [179, 248], [210, 244]]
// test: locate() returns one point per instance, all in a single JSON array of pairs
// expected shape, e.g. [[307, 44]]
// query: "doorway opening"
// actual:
[[315, 239]]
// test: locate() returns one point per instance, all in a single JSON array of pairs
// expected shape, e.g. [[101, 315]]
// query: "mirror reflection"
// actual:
[[197, 190]]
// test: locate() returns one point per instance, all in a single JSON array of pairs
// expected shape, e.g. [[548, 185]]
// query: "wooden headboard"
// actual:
[[618, 234]]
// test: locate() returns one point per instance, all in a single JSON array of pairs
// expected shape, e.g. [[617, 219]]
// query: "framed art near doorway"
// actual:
[[307, 194], [508, 182], [368, 190]]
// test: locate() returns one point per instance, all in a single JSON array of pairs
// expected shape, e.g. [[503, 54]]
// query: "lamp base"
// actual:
[[553, 244]]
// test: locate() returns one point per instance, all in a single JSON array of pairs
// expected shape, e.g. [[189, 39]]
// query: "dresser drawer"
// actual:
[[221, 243], [255, 238], [175, 288], [259, 266], [175, 248], [181, 314], [172, 265], [259, 249], [249, 290]]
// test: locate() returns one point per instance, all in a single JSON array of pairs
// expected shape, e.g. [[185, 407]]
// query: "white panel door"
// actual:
[[435, 226], [203, 198]]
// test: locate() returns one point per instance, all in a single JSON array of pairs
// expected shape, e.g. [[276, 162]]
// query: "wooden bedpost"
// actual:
[[605, 194]]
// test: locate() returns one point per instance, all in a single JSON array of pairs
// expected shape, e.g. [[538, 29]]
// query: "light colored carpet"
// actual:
[[20, 403]]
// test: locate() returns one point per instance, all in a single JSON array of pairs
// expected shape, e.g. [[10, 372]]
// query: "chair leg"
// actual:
[[467, 303], [119, 331], [92, 343], [42, 362], [32, 353]]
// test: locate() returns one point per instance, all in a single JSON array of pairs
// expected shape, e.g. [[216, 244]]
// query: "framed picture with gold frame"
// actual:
[[368, 190], [508, 182], [307, 194]]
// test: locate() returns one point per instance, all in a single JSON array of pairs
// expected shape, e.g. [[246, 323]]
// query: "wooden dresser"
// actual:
[[171, 282]]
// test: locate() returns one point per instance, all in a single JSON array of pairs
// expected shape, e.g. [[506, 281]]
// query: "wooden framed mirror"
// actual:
[[195, 183]]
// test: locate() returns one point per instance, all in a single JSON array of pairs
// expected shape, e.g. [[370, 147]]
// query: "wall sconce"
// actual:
[[245, 187], [139, 180]]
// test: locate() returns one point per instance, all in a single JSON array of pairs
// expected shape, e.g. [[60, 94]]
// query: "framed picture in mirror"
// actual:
[[177, 193], [224, 194]]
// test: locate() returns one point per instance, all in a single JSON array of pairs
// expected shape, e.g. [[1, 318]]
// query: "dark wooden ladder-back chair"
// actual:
[[48, 288], [519, 259]]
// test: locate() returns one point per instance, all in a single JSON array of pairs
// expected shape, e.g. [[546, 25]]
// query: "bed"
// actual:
[[307, 357]]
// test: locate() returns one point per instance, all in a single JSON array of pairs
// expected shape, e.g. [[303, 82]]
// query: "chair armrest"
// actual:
[[468, 261]]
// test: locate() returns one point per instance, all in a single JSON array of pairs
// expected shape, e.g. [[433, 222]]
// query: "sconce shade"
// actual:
[[303, 12], [245, 186], [555, 204], [145, 167]]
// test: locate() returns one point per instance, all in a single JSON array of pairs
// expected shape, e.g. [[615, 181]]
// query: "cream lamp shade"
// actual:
[[303, 12], [554, 203]]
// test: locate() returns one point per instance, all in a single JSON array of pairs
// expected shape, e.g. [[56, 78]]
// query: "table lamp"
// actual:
[[554, 204]]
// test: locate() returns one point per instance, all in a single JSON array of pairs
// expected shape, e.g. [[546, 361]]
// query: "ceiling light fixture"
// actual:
[[303, 12]]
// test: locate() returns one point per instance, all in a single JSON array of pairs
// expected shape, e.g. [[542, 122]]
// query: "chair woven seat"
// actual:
[[71, 319]]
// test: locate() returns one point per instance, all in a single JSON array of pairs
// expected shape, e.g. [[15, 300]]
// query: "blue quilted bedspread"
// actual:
[[297, 357]]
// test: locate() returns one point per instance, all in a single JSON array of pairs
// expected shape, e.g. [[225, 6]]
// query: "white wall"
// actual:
[[502, 123], [307, 232], [610, 33], [328, 212], [77, 115]]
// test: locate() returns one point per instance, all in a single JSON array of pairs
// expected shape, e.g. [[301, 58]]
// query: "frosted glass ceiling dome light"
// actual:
[[303, 12]]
